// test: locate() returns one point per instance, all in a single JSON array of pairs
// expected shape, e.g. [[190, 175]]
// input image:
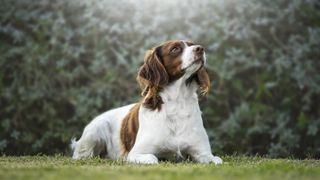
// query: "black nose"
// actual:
[[198, 50]]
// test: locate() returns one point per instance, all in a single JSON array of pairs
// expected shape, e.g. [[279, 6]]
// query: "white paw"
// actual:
[[216, 160], [143, 159], [206, 159]]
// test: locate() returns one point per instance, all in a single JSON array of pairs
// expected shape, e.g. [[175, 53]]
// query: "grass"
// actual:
[[60, 167]]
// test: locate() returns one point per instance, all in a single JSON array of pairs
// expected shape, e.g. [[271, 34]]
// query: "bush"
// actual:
[[64, 62]]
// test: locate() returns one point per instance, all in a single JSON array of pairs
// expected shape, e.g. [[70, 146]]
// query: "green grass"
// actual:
[[60, 167]]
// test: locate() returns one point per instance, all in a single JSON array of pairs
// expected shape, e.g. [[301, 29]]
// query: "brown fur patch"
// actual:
[[129, 129], [152, 77], [172, 60], [202, 78], [203, 81]]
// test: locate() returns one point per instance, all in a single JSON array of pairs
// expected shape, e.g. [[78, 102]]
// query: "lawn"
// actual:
[[61, 167]]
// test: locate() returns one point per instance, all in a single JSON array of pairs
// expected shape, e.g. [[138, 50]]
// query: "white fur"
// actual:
[[176, 129], [102, 132]]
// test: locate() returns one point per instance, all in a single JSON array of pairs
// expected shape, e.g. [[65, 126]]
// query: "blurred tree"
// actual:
[[64, 62]]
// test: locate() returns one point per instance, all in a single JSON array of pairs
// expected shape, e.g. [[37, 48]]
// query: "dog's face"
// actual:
[[167, 63], [180, 58]]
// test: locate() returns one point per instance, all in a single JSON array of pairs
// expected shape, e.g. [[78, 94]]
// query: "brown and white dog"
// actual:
[[166, 122]]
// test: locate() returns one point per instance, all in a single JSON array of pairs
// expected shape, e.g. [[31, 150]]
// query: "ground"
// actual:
[[61, 167]]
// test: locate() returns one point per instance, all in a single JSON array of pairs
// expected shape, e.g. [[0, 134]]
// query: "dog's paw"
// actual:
[[216, 160], [143, 159], [206, 159]]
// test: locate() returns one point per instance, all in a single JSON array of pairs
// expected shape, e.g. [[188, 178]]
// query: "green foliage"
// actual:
[[64, 62]]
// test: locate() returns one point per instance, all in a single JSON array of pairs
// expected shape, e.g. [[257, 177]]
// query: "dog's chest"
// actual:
[[179, 111], [181, 115]]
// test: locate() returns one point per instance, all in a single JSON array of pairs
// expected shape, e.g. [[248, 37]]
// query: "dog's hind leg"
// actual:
[[87, 146]]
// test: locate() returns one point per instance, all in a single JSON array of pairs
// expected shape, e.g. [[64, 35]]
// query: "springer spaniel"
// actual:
[[166, 122]]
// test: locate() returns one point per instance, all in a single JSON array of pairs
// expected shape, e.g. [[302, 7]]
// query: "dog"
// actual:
[[166, 122]]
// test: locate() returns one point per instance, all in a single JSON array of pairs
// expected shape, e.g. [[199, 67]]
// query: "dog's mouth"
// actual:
[[197, 61]]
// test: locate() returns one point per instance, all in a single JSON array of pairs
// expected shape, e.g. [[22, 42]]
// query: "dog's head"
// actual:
[[167, 63]]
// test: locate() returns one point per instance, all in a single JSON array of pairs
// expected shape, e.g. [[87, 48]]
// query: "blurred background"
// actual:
[[64, 62]]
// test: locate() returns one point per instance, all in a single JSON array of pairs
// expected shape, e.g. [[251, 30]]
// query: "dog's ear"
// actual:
[[152, 77], [202, 78]]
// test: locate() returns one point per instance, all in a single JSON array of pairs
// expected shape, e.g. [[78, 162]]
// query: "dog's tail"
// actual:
[[73, 144], [92, 143]]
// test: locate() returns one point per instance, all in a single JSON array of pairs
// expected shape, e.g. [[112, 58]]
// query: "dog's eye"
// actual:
[[175, 50]]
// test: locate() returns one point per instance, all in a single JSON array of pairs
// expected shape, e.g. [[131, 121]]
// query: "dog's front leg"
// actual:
[[200, 149], [144, 149], [206, 158], [142, 158], [141, 153]]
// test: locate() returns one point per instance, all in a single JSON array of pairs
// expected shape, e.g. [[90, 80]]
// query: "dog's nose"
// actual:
[[198, 50]]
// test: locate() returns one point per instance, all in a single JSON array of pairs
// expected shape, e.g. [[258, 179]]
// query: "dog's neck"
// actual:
[[179, 90]]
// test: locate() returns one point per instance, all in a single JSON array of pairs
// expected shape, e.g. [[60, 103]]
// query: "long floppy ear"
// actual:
[[152, 77], [203, 80]]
